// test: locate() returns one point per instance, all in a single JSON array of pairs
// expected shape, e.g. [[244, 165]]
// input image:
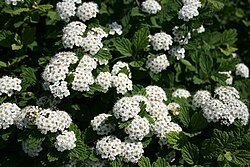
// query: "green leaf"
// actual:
[[44, 7], [186, 62], [124, 46], [5, 134], [198, 122], [221, 137], [160, 162], [190, 153], [228, 156], [206, 63], [28, 35], [217, 4], [136, 12], [103, 54], [140, 39], [80, 152], [28, 76], [198, 81], [220, 78], [241, 157], [18, 11], [16, 47], [155, 77], [117, 162], [6, 38], [228, 51], [144, 162], [53, 155], [3, 64], [184, 116], [177, 139], [228, 37]]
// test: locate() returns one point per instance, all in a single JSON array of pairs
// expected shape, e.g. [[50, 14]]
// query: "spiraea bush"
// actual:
[[150, 83]]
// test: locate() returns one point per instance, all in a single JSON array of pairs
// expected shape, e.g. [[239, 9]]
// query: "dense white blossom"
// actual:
[[201, 98], [52, 121], [65, 10], [26, 117], [138, 128], [109, 147], [174, 108], [242, 70], [181, 93], [155, 93], [157, 108], [189, 10], [115, 28], [104, 79], [122, 83], [8, 113], [98, 32], [92, 44], [9, 84], [131, 151], [226, 93], [82, 81], [151, 6], [161, 41], [126, 108], [157, 64], [65, 141], [73, 34], [178, 52], [87, 63], [180, 38], [87, 10], [31, 151], [59, 89], [100, 126]]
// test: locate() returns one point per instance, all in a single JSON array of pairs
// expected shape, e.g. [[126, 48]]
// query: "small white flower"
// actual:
[[115, 28]]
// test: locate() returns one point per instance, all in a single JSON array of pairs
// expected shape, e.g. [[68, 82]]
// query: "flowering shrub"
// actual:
[[149, 83]]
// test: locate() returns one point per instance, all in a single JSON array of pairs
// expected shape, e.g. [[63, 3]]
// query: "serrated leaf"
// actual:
[[140, 39], [184, 116], [206, 63], [190, 153], [103, 54], [6, 38], [155, 77], [16, 11], [80, 152], [117, 162], [228, 37], [124, 46], [28, 76], [136, 64], [160, 162], [5, 134], [220, 78], [198, 122], [241, 157], [228, 156], [44, 7], [177, 139], [217, 4], [52, 155], [198, 81], [221, 137], [144, 162]]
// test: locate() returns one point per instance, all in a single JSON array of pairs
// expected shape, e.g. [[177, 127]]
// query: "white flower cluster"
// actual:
[[73, 34], [26, 117], [9, 84], [174, 108], [8, 113], [200, 99], [52, 121], [189, 9], [151, 6], [138, 128], [242, 70], [155, 93], [178, 52], [13, 2], [100, 126], [229, 79], [109, 147], [85, 11], [131, 151], [199, 30], [181, 93], [104, 79], [92, 43], [161, 41], [226, 109], [157, 64], [180, 38], [121, 81], [126, 108], [83, 76], [65, 141], [32, 152], [56, 72], [115, 28]]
